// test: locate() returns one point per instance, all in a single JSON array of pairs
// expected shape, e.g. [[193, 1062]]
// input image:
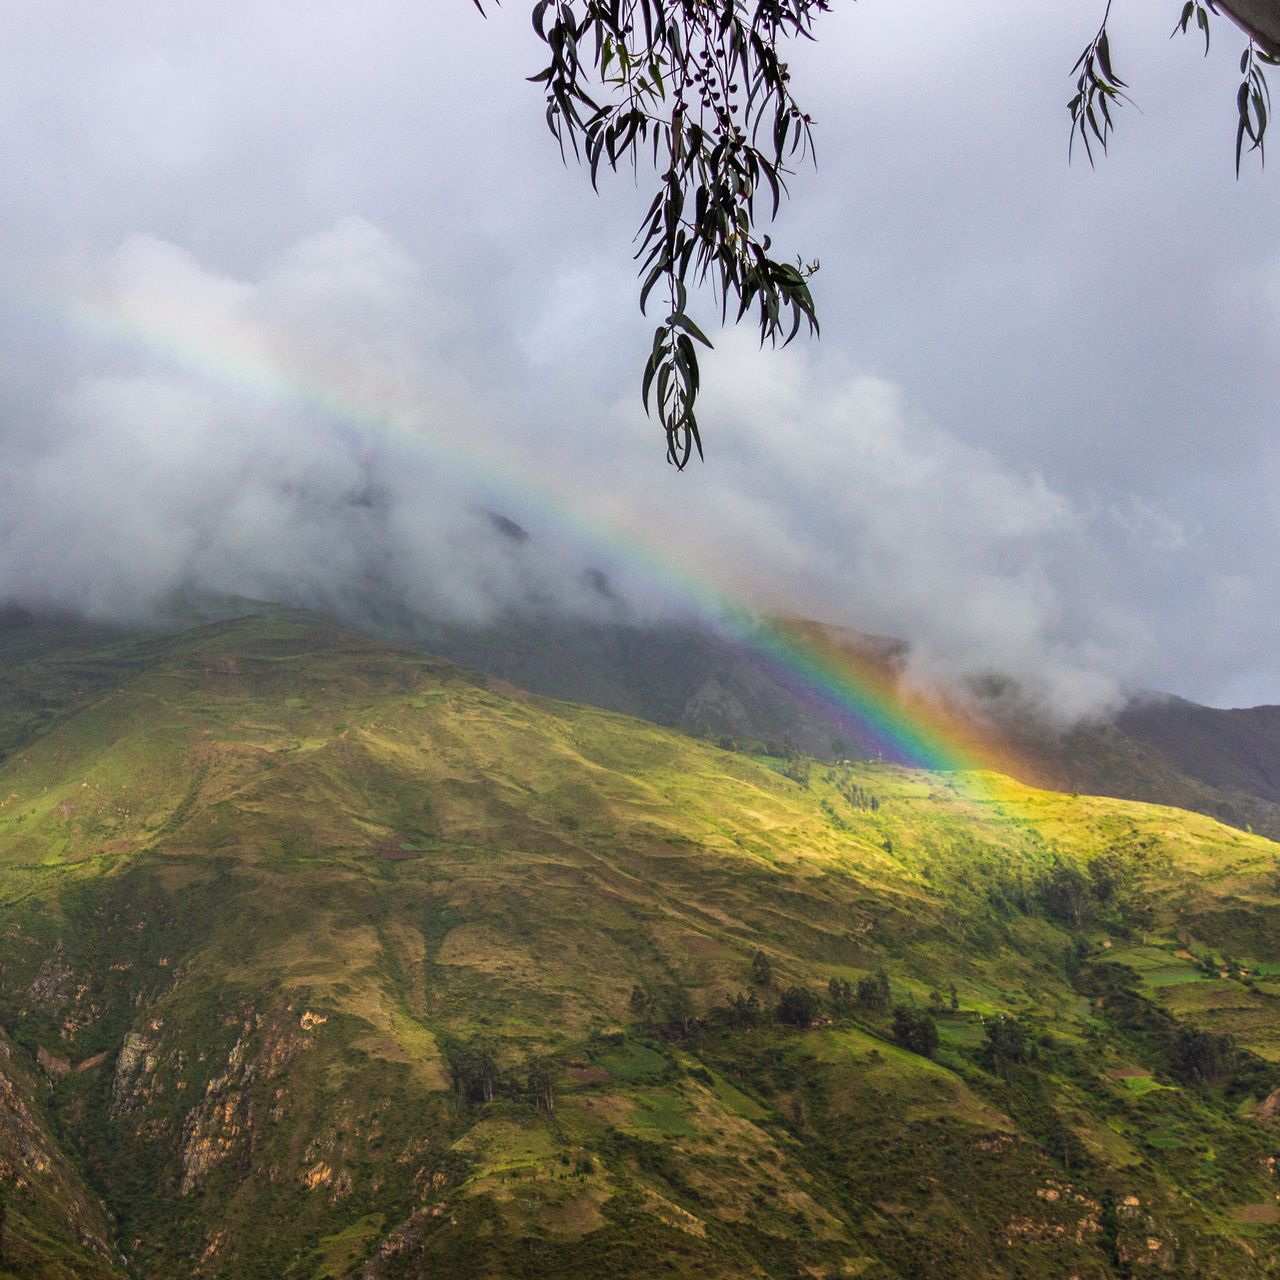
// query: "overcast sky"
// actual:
[[346, 299]]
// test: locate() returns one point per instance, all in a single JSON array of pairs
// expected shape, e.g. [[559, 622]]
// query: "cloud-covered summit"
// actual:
[[307, 435], [1037, 435]]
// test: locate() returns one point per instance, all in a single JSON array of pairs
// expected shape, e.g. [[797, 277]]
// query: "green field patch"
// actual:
[[1164, 1139], [737, 1103], [665, 1112], [961, 1035], [1144, 959], [633, 1063], [505, 1147], [1172, 977], [1142, 1085]]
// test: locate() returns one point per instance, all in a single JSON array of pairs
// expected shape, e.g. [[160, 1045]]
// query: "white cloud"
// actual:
[[307, 434]]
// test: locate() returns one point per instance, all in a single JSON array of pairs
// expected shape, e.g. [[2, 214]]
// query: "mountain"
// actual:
[[1158, 748], [1155, 747], [322, 957]]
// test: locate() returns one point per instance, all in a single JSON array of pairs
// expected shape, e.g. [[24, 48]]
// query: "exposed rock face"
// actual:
[[133, 1064], [36, 1176], [51, 1064], [224, 1124], [1269, 1107]]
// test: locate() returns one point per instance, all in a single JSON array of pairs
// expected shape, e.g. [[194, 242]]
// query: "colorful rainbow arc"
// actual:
[[860, 693]]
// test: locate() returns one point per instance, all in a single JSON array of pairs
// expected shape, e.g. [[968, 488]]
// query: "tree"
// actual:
[[798, 1006], [840, 993], [1065, 894], [474, 1067], [642, 1005], [680, 1007], [914, 1029], [873, 992], [702, 87], [1004, 1046], [1200, 1057], [761, 970], [540, 1083], [745, 1010], [1108, 873]]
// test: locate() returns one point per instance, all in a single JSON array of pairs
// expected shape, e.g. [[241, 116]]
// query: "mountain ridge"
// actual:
[[376, 967]]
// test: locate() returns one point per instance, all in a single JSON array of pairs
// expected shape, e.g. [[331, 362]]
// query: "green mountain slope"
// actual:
[[1160, 749], [325, 958]]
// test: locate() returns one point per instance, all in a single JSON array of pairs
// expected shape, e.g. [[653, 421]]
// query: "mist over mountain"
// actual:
[[325, 431], [714, 683], [440, 839]]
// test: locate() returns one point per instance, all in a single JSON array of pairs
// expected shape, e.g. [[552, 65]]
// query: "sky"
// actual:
[[294, 297]]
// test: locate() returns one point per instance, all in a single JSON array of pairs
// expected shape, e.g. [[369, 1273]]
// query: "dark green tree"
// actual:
[[473, 1065], [882, 986], [680, 1008], [1108, 872], [915, 1029], [798, 1007], [873, 992], [1200, 1057], [745, 1010], [1004, 1046], [540, 1084], [1066, 895], [642, 1005], [761, 970]]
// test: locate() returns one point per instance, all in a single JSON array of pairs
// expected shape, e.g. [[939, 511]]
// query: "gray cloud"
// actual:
[[1037, 435]]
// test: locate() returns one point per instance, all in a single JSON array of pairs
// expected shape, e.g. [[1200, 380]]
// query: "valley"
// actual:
[[322, 957]]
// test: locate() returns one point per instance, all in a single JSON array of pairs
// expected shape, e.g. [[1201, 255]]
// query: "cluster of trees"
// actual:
[[915, 1028], [797, 769], [1200, 1057], [873, 993], [1107, 891], [744, 1010], [1005, 1045], [796, 1006], [852, 792], [840, 994], [799, 1006], [478, 1079], [673, 1006], [1194, 1057]]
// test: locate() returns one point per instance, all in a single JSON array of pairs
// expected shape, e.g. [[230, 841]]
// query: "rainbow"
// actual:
[[858, 691]]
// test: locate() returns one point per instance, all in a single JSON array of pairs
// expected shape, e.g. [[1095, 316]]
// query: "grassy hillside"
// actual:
[[322, 958]]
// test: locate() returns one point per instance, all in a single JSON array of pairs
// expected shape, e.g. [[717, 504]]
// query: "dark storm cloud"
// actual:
[[1037, 435]]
